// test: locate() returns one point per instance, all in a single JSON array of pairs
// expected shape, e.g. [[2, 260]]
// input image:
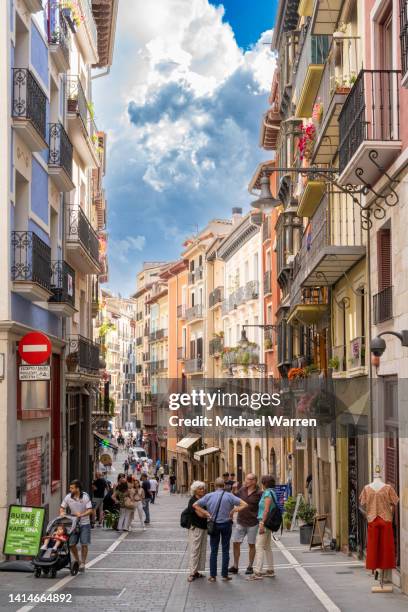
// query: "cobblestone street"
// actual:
[[147, 570]]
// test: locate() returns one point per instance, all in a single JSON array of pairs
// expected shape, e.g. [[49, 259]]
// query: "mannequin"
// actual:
[[379, 500]]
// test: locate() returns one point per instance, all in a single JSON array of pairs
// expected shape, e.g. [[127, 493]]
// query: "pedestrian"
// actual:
[[228, 481], [309, 488], [123, 498], [126, 466], [263, 542], [220, 507], [146, 502], [247, 523], [153, 489], [160, 472], [172, 481], [158, 485], [78, 503], [139, 497], [99, 487], [197, 534]]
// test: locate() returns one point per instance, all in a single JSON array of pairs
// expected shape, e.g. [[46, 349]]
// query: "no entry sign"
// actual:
[[35, 348]]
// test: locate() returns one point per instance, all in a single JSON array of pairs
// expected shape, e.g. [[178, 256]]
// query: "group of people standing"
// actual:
[[212, 514]]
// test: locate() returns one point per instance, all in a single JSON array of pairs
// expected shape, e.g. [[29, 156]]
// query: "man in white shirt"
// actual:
[[153, 488], [78, 503]]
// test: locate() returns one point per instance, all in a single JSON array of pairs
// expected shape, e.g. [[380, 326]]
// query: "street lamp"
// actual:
[[266, 202], [244, 342], [378, 344]]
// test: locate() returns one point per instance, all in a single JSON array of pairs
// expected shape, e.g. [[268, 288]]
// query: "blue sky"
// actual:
[[182, 108]]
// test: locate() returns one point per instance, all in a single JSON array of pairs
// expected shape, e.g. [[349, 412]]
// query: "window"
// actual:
[[384, 259]]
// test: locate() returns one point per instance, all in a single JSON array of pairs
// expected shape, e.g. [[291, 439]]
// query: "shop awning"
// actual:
[[206, 451], [106, 442], [186, 443]]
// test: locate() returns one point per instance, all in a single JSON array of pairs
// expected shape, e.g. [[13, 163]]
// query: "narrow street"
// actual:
[[147, 570]]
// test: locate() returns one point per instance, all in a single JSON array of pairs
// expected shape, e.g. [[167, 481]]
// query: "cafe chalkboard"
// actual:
[[319, 527]]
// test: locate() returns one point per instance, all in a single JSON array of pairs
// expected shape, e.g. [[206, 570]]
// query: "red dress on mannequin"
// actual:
[[379, 505]]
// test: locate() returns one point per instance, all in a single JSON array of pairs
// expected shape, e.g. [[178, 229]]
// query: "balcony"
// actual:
[[234, 357], [325, 16], [82, 243], [81, 125], [216, 296], [251, 290], [267, 283], [287, 56], [82, 356], [181, 311], [181, 353], [193, 366], [308, 305], [62, 302], [158, 366], [382, 306], [270, 125], [86, 32], [195, 275], [60, 157], [59, 40], [31, 266], [369, 127], [404, 41], [158, 334], [28, 109], [340, 72], [215, 346], [309, 65], [332, 244], [195, 313]]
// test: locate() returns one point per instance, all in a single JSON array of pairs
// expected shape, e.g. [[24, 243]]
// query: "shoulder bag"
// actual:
[[211, 521]]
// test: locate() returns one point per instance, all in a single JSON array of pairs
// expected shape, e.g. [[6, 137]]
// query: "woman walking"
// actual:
[[197, 533], [138, 499], [263, 544], [122, 497]]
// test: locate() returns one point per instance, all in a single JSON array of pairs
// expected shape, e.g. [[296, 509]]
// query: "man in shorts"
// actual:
[[78, 503], [247, 522]]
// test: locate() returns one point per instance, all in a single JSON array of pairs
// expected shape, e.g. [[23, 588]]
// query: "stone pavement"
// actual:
[[147, 571]]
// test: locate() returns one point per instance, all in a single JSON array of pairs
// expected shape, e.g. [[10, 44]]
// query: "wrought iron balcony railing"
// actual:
[[58, 31], [193, 365], [382, 305], [158, 334], [31, 259], [195, 275], [252, 290], [195, 312], [62, 283], [78, 103], [83, 355], [216, 296], [215, 346], [370, 112], [60, 148], [29, 100], [80, 230]]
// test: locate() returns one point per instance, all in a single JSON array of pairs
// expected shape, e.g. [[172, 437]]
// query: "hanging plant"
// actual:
[[307, 140]]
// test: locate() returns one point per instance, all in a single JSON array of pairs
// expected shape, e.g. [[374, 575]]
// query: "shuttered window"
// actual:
[[384, 259]]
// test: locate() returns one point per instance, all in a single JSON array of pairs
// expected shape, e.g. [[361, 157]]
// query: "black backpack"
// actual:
[[185, 519], [274, 519]]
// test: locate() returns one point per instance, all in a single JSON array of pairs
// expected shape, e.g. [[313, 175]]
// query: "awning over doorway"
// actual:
[[206, 451], [108, 443], [186, 443]]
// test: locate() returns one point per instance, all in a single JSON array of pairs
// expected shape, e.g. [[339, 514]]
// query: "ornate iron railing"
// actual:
[[60, 151], [31, 259], [252, 290], [83, 354], [382, 305], [158, 334], [370, 112], [79, 229], [29, 100], [216, 345], [62, 283], [193, 365], [195, 312], [215, 296], [78, 103], [58, 32]]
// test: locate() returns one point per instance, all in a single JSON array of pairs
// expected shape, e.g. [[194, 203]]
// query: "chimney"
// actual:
[[236, 216]]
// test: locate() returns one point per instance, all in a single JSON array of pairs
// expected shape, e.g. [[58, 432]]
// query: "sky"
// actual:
[[182, 108]]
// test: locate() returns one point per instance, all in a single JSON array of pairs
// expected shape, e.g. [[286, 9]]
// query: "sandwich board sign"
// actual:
[[24, 531]]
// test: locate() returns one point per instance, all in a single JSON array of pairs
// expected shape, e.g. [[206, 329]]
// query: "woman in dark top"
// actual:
[[197, 533]]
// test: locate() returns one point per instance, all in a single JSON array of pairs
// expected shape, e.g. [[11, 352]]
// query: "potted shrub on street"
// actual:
[[289, 507], [306, 513]]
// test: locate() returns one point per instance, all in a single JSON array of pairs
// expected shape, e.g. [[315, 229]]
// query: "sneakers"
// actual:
[[249, 570], [233, 570]]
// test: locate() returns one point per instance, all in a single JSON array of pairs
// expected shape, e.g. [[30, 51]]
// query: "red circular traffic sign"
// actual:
[[34, 348]]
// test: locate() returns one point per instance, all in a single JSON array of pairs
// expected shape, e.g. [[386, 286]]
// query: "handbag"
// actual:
[[211, 522], [129, 503], [274, 519]]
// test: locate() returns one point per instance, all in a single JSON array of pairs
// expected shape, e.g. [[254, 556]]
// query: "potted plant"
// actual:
[[306, 513], [110, 519], [289, 507], [334, 363]]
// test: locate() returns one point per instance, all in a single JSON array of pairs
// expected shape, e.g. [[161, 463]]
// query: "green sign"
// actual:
[[24, 531]]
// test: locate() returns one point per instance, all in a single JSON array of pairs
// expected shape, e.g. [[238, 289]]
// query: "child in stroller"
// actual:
[[55, 554]]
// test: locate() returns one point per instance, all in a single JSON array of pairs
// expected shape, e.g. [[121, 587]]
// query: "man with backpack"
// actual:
[[270, 518]]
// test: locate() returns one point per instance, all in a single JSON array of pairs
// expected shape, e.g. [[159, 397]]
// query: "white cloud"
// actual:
[[121, 249]]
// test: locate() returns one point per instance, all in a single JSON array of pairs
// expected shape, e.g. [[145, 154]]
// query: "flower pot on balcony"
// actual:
[[305, 534], [343, 90], [72, 105]]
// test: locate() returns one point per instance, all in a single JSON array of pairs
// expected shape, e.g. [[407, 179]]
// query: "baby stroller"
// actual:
[[50, 562]]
